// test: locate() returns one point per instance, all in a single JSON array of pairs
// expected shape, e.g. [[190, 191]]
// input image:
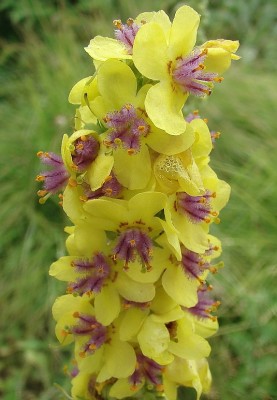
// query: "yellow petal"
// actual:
[[102, 48], [133, 171], [220, 54], [107, 305], [134, 291], [131, 323], [179, 287], [63, 270], [163, 106], [154, 339], [122, 389], [163, 143], [71, 203], [150, 51], [117, 83], [77, 92], [183, 31], [203, 142], [99, 170], [120, 360], [155, 202]]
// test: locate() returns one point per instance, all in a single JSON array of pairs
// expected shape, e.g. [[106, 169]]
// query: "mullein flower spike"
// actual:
[[135, 180]]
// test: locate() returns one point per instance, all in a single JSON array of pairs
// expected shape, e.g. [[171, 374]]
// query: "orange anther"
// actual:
[[40, 178], [41, 193], [108, 191], [76, 314], [40, 153], [79, 146], [117, 23], [72, 182], [130, 21], [131, 151]]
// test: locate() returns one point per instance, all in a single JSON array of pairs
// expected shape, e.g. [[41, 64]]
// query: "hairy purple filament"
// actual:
[[131, 244], [193, 264], [88, 326], [110, 188], [146, 369], [126, 33], [85, 152], [126, 128], [205, 305], [95, 271], [197, 208], [189, 75], [53, 180]]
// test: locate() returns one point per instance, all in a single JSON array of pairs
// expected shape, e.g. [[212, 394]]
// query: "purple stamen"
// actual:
[[110, 188], [95, 271], [133, 243], [126, 128], [85, 152], [205, 305], [146, 369], [193, 263], [191, 116], [88, 326], [196, 208], [188, 74], [53, 180], [126, 33]]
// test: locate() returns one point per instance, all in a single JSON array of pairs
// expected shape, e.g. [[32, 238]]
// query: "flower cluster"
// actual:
[[138, 188]]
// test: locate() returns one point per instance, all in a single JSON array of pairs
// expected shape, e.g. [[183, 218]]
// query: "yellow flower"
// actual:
[[103, 48], [191, 215], [120, 108], [188, 373], [135, 225], [167, 55], [164, 336]]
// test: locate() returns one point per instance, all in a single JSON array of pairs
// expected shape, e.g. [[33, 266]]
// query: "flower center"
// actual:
[[131, 244], [126, 33], [149, 370], [189, 74], [110, 188], [196, 208], [87, 325], [94, 273], [53, 180], [193, 264], [127, 128], [85, 151], [205, 304]]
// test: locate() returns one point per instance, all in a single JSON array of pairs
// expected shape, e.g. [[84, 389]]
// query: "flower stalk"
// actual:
[[142, 198]]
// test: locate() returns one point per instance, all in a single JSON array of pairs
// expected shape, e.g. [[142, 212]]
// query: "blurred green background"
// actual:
[[41, 58]]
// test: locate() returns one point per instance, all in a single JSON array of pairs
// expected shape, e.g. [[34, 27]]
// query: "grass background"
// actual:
[[41, 58]]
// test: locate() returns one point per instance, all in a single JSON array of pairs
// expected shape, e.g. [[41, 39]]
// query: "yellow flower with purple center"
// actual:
[[166, 54], [129, 130]]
